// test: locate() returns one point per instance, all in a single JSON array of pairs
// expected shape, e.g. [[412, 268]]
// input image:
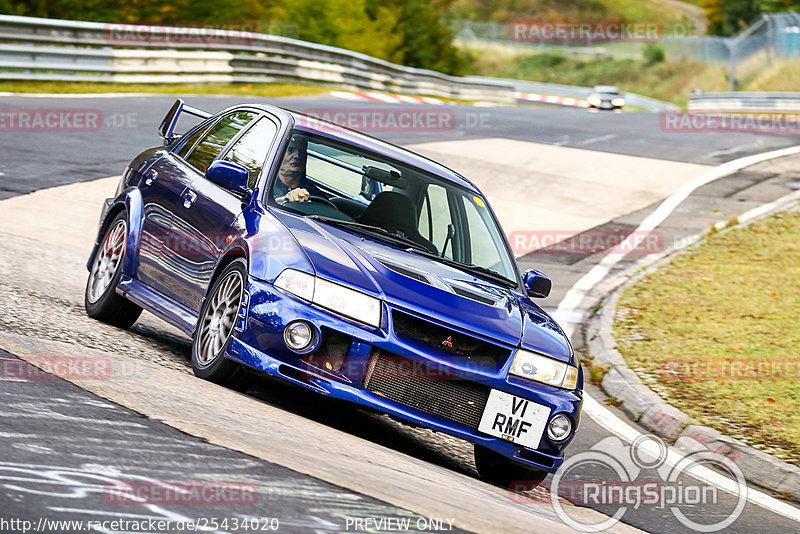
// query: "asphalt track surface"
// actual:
[[62, 444], [33, 160]]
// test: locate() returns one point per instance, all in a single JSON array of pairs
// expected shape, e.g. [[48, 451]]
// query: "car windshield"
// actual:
[[608, 89], [402, 205]]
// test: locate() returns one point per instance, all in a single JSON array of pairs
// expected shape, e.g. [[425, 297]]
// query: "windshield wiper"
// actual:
[[415, 248], [468, 267], [397, 239]]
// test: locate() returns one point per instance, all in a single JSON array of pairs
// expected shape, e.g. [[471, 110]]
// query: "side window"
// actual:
[[216, 139], [483, 249], [435, 217], [189, 143], [250, 150]]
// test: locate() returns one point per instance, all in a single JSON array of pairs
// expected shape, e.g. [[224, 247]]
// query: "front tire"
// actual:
[[215, 328], [497, 469], [101, 299]]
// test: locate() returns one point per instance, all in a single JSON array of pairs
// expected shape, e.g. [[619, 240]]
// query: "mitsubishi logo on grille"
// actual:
[[448, 342]]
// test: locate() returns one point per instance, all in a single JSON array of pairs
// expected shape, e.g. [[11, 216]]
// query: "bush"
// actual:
[[654, 53]]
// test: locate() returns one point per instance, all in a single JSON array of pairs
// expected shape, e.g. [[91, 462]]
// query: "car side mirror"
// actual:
[[537, 284], [229, 176]]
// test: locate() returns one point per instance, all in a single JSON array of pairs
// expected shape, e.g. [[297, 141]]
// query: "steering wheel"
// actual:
[[321, 200]]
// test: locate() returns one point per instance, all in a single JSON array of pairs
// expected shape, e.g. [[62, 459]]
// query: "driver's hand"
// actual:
[[297, 195]]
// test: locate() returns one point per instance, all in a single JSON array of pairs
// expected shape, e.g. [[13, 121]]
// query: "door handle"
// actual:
[[189, 197], [150, 177]]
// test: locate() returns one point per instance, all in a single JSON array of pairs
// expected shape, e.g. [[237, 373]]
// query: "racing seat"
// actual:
[[394, 212]]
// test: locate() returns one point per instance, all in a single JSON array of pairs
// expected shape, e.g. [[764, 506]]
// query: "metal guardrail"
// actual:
[[50, 49], [750, 102]]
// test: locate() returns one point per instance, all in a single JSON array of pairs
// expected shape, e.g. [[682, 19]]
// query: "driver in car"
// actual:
[[292, 184]]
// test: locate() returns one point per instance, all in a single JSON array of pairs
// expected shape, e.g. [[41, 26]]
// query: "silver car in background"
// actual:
[[606, 97]]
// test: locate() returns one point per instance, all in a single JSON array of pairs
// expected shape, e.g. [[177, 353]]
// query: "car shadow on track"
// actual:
[[421, 443]]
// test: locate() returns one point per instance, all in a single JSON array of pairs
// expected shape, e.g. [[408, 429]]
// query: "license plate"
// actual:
[[514, 419]]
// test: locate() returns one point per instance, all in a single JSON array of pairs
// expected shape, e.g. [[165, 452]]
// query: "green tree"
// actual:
[[402, 31], [427, 42], [729, 17]]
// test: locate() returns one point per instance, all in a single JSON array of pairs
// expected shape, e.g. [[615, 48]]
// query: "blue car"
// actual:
[[295, 248]]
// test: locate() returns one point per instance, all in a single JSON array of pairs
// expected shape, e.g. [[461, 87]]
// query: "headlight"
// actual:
[[337, 298], [618, 101], [296, 282], [543, 369], [594, 100], [348, 302]]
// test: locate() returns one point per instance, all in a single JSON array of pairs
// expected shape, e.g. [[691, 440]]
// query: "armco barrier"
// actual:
[[746, 102], [50, 49]]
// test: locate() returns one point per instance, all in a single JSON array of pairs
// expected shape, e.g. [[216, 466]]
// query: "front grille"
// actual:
[[401, 380], [448, 340]]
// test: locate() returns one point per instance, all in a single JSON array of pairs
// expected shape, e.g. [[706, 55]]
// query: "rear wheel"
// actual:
[[101, 299], [497, 469], [215, 328]]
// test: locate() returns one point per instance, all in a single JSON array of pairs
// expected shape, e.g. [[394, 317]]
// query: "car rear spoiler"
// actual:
[[171, 119]]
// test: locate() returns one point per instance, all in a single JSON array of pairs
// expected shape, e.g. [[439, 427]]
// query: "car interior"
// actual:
[[353, 185]]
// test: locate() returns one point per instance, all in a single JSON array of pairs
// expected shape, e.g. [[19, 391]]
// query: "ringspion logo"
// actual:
[[623, 486]]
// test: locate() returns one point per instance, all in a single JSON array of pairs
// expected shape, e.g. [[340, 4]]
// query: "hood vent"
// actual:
[[474, 296], [405, 272]]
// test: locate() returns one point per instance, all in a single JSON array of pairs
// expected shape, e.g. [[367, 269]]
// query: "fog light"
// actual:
[[559, 428], [298, 335]]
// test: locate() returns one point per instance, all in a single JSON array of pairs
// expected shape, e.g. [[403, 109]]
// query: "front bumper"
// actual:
[[341, 363]]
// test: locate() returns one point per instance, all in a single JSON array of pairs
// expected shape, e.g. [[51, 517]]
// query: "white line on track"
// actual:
[[597, 139], [569, 305], [575, 295], [606, 418]]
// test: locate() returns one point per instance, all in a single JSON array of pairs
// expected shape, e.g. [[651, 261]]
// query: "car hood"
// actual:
[[427, 287]]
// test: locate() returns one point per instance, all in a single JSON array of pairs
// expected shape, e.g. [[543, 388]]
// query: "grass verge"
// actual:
[[671, 81], [255, 89], [715, 332]]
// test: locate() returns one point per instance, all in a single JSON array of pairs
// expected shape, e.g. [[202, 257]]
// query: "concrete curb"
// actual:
[[646, 407]]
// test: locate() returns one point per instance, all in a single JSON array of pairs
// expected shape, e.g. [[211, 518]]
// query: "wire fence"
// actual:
[[769, 38]]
